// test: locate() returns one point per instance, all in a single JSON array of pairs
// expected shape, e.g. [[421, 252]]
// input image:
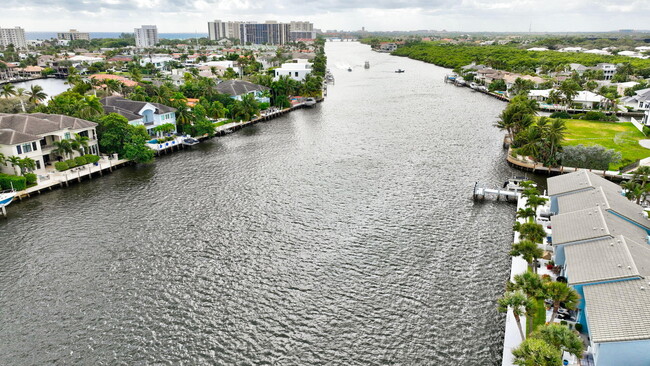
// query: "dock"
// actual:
[[481, 192]]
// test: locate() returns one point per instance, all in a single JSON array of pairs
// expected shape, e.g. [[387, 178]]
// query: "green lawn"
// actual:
[[620, 136]]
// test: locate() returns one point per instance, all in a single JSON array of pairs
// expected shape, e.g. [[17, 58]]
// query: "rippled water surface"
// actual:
[[340, 235]]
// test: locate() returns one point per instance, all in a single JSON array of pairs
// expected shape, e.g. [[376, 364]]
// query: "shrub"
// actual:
[[589, 157], [7, 181], [646, 130], [579, 327], [596, 116], [561, 114], [80, 160], [61, 166], [30, 178], [91, 159], [264, 106], [71, 163]]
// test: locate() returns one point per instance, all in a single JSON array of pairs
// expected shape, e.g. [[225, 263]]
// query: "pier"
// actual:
[[481, 192]]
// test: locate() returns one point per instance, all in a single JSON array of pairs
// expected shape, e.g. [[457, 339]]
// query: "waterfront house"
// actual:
[[102, 77], [33, 135], [619, 322], [236, 89], [147, 114], [158, 61], [296, 70], [608, 69], [639, 101]]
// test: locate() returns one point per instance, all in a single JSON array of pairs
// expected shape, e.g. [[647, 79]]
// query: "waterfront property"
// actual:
[[147, 114], [296, 70], [34, 136], [601, 242], [238, 88]]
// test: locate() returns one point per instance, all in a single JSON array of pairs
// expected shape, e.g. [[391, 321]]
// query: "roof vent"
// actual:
[[629, 267], [642, 288], [619, 265], [611, 244]]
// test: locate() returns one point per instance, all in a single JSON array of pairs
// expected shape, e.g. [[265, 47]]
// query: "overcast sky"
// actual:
[[375, 15]]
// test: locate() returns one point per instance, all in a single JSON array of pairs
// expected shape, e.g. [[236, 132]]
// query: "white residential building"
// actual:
[[608, 69], [146, 36], [149, 115], [73, 35], [159, 61], [218, 30], [14, 36], [33, 135], [295, 70]]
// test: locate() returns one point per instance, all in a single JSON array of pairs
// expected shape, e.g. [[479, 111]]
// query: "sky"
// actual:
[[189, 16]]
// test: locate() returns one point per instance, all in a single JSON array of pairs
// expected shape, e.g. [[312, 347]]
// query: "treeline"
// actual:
[[509, 58]]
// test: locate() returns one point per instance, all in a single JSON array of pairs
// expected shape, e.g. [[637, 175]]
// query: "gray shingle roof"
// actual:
[[578, 181], [607, 200], [132, 107], [238, 87], [29, 126], [605, 259], [11, 137], [618, 311], [592, 223], [123, 112]]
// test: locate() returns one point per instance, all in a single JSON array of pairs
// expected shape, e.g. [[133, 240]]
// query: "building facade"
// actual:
[[270, 32], [295, 70], [146, 36], [149, 115], [14, 36], [218, 30], [73, 35]]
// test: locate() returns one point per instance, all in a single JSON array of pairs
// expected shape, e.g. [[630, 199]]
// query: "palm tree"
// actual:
[[530, 283], [536, 352], [15, 162], [36, 94], [527, 214], [26, 165], [80, 143], [20, 93], [8, 90], [529, 251], [535, 201], [531, 231], [89, 106], [113, 86], [560, 292], [63, 148], [562, 338], [520, 304], [3, 159]]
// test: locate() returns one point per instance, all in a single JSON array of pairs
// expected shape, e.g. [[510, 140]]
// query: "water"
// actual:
[[50, 35], [340, 235], [51, 87]]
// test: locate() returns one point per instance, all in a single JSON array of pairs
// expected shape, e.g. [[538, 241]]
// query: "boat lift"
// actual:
[[481, 191]]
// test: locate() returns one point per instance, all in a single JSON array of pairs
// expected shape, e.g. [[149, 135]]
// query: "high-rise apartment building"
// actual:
[[301, 26], [269, 32], [14, 36], [219, 30], [73, 35], [146, 36]]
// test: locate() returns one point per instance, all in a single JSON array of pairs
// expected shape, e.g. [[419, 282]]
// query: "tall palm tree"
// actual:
[[535, 201], [3, 159], [527, 214], [529, 251], [26, 165], [89, 106], [8, 90], [532, 231], [15, 162], [560, 292], [562, 338], [520, 304], [20, 93], [80, 143], [36, 94], [63, 148], [530, 283]]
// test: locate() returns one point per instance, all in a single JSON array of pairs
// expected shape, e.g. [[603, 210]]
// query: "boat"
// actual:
[[514, 184], [5, 199], [473, 85], [399, 71], [310, 102], [350, 69], [366, 65], [190, 141]]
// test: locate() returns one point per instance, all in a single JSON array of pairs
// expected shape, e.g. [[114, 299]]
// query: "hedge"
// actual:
[[71, 163], [61, 166], [7, 181], [30, 178], [80, 160], [91, 159]]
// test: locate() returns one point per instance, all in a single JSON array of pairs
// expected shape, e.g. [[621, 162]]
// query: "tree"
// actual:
[[526, 213], [569, 89], [529, 251], [63, 148], [535, 201], [8, 90], [536, 352], [532, 231], [89, 106], [520, 304], [560, 337], [20, 93], [638, 188], [530, 283], [134, 146], [80, 143], [560, 292], [113, 130], [589, 157], [26, 165], [246, 108], [36, 94], [15, 162], [3, 159]]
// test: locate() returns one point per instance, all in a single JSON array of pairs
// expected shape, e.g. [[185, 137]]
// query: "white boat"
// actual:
[[6, 197], [473, 85], [310, 102], [190, 141]]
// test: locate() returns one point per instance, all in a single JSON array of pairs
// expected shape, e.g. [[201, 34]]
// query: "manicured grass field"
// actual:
[[620, 136]]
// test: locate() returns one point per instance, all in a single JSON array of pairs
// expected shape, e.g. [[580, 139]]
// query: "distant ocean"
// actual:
[[49, 35]]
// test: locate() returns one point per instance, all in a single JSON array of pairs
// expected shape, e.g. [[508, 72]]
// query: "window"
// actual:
[[34, 146], [84, 133], [43, 142], [67, 136], [38, 164], [27, 148], [296, 73], [19, 150]]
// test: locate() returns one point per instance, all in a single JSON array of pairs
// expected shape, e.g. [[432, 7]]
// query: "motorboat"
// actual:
[[6, 197], [310, 102], [399, 71], [190, 141]]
